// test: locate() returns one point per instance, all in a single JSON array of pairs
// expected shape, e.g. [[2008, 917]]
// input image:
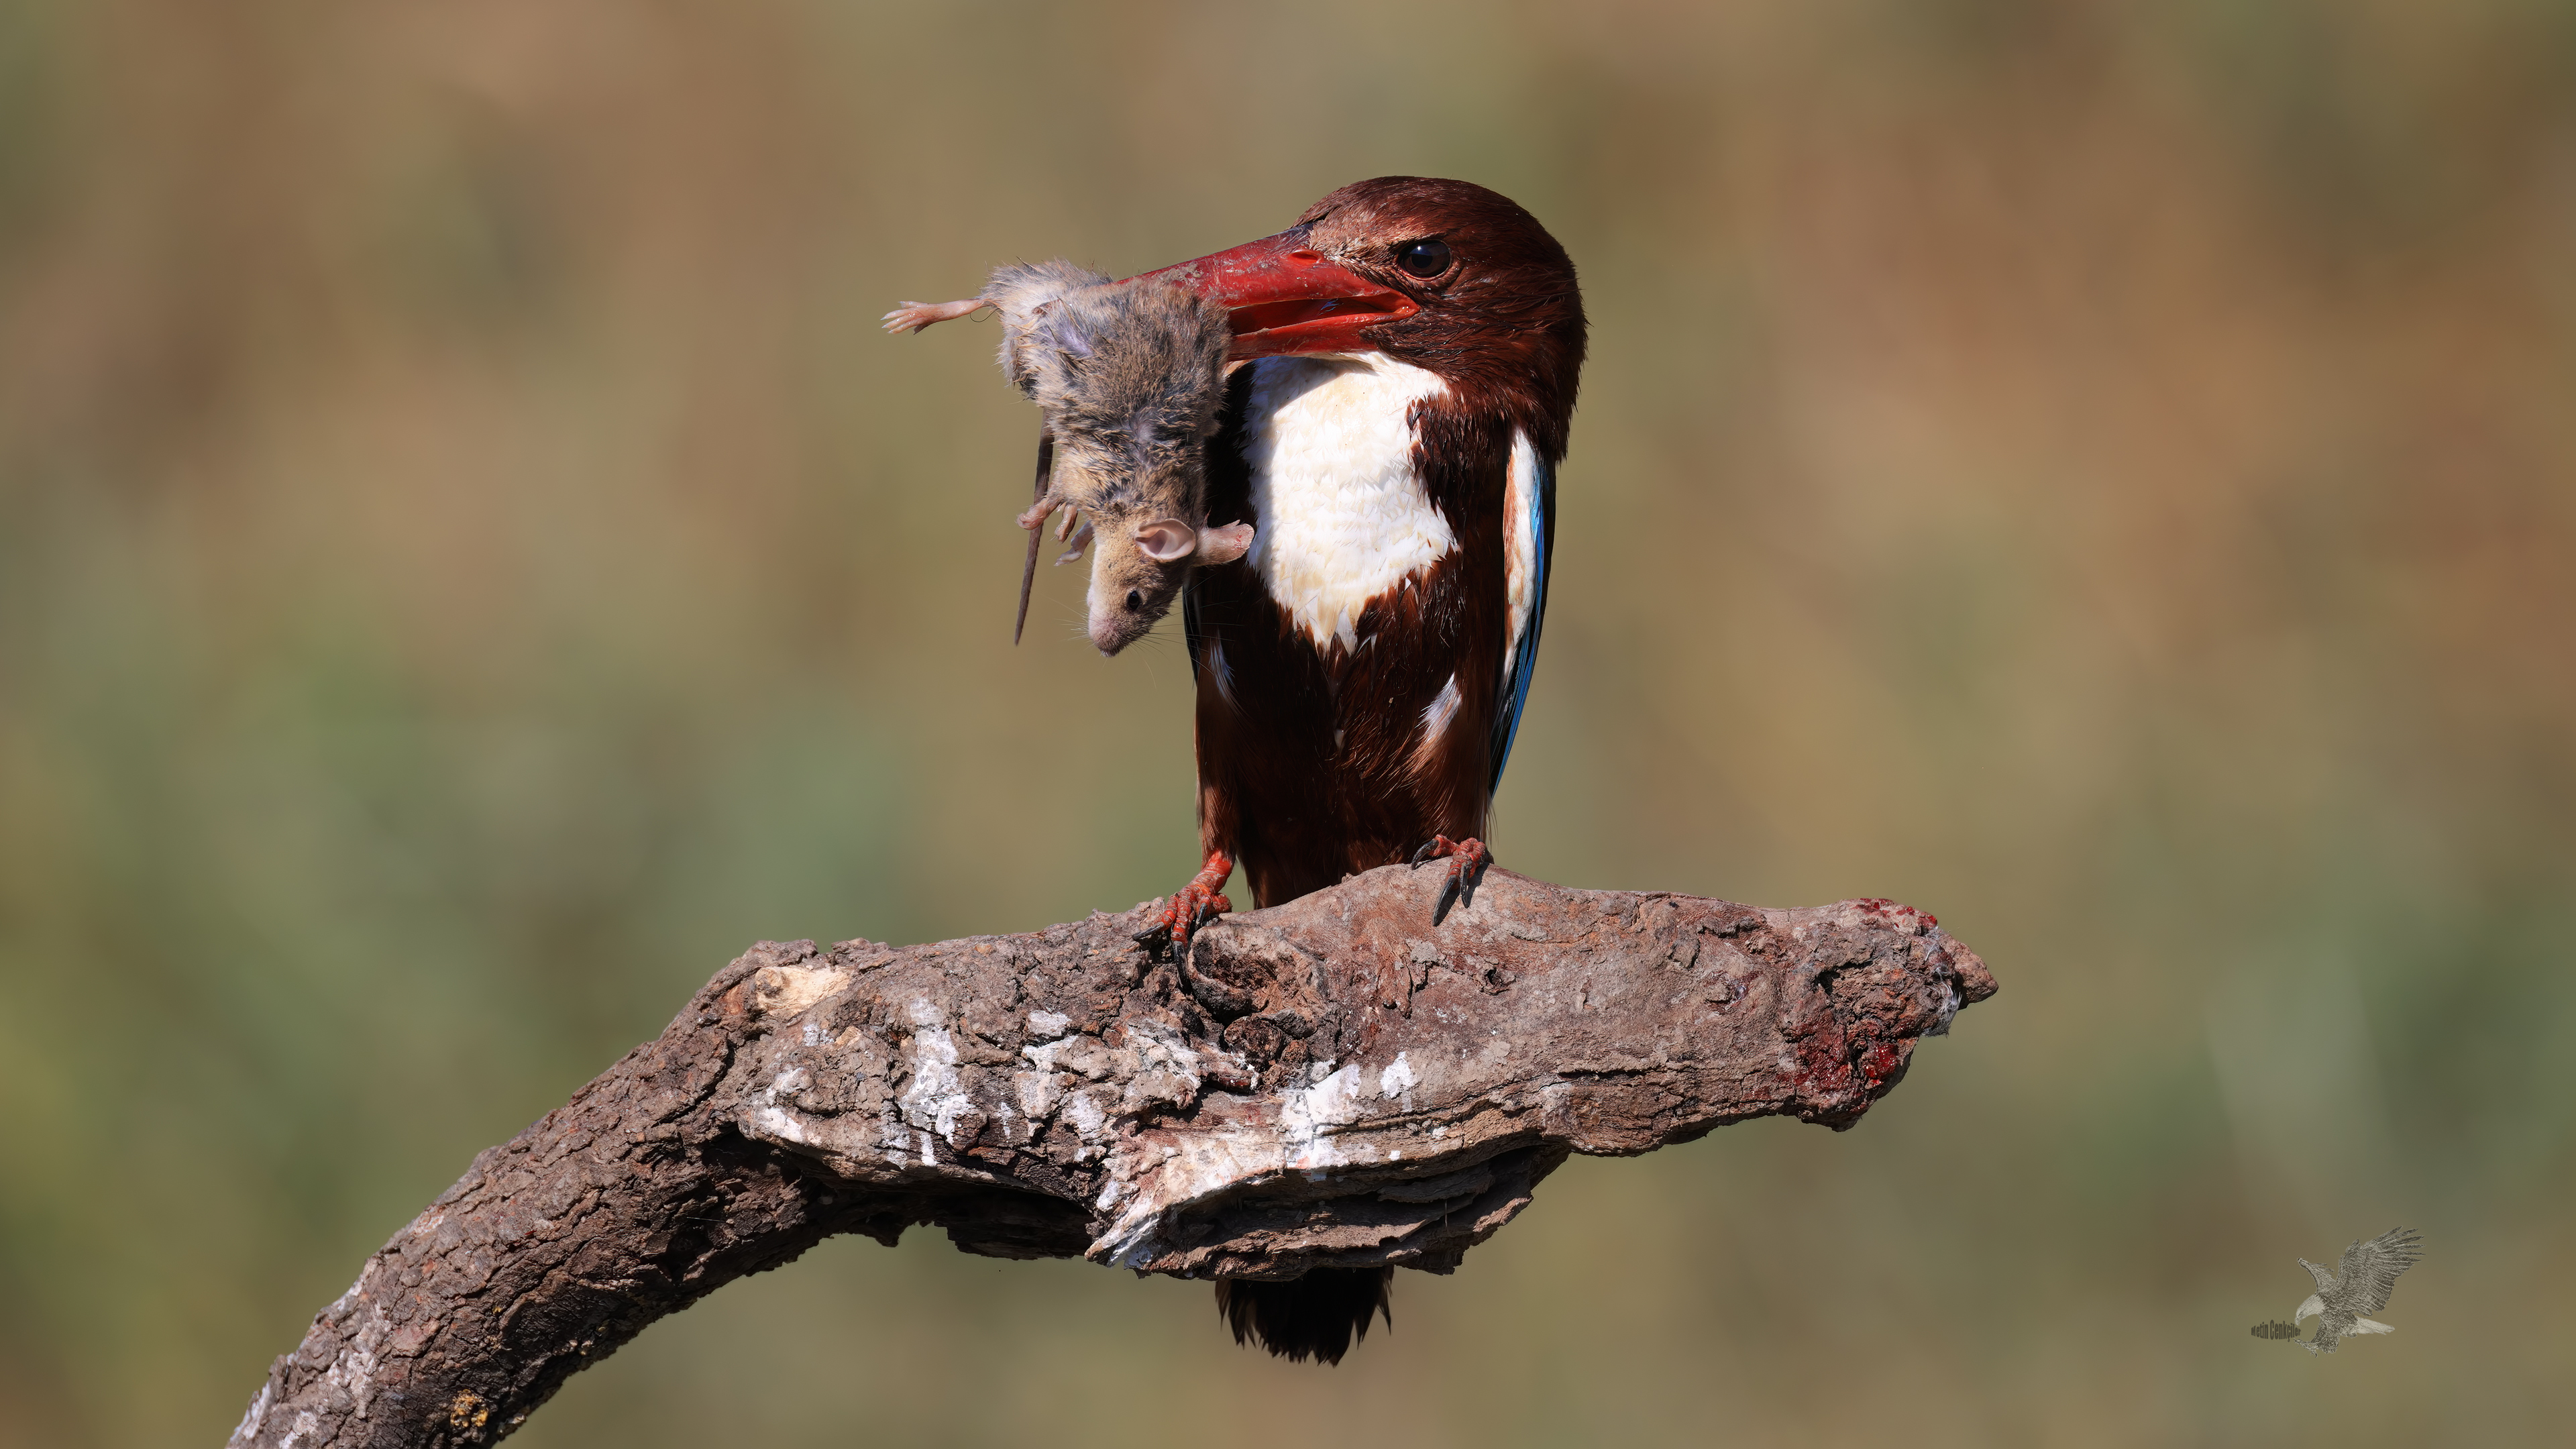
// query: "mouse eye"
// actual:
[[1428, 257], [1135, 601]]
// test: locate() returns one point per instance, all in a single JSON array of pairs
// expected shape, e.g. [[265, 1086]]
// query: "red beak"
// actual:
[[1287, 297]]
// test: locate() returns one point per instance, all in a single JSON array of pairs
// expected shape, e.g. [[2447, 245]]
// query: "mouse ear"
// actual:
[[1062, 333], [1224, 544], [1167, 540]]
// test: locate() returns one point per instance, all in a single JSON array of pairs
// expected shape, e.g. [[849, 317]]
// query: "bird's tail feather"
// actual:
[[1316, 1316]]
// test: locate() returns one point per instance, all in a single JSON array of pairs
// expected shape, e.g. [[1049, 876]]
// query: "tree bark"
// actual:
[[1336, 1082]]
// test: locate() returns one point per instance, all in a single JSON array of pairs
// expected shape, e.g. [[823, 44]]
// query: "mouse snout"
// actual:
[[1108, 638], [1123, 611], [1127, 620], [1113, 632]]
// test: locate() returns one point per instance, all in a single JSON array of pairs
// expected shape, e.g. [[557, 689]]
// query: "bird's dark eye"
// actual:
[[1135, 601], [1428, 257]]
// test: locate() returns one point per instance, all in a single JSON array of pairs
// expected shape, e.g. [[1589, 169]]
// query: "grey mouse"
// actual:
[[1127, 378]]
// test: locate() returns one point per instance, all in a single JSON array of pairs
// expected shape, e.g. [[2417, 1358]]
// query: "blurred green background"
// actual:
[[2107, 474]]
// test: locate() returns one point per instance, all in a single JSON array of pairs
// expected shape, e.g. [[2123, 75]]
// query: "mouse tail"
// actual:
[[1029, 566]]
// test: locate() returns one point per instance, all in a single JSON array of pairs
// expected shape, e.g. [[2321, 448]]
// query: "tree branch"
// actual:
[[1332, 1082]]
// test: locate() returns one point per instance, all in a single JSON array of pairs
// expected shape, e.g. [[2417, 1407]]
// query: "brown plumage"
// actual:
[[1317, 1316], [1127, 378], [1323, 753], [1313, 760]]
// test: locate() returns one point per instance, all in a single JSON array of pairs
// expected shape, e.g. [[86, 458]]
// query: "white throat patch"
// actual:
[[1343, 517]]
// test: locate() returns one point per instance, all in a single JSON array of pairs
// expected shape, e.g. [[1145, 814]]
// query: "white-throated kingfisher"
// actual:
[[1412, 348]]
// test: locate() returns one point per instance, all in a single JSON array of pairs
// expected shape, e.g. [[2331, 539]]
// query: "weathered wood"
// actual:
[[1333, 1082]]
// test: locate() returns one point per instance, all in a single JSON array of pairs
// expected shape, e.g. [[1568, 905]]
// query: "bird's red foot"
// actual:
[[1191, 906], [1467, 861]]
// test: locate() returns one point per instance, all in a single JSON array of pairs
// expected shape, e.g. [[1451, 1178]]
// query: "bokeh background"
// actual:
[[2104, 473]]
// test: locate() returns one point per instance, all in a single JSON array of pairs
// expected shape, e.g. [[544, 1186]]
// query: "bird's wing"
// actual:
[[1529, 543], [2325, 1280], [1190, 630], [1226, 484], [2370, 1269]]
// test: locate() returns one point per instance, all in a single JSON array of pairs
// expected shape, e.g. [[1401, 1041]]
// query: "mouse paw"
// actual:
[[1081, 541], [913, 316]]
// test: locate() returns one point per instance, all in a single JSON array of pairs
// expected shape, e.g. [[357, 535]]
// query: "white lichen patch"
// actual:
[[1153, 1179], [1307, 1117], [777, 1124], [1161, 1070], [893, 1138], [1084, 1056], [353, 1370], [1190, 1169], [1087, 1116], [1397, 1079], [1049, 1024], [935, 1099]]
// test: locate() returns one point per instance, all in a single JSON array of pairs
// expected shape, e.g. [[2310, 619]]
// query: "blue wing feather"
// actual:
[[1507, 721]]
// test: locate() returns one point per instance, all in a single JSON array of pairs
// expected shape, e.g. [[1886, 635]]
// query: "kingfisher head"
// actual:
[[1444, 275]]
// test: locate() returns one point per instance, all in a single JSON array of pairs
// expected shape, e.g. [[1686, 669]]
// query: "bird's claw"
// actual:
[[1467, 861], [1190, 907]]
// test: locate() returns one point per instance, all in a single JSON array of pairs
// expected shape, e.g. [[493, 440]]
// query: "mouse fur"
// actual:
[[1128, 378]]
